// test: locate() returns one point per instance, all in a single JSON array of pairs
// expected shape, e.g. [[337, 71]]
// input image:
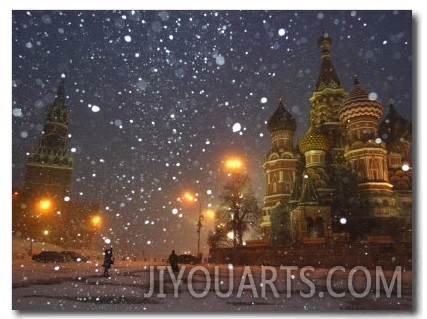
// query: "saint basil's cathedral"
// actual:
[[348, 178]]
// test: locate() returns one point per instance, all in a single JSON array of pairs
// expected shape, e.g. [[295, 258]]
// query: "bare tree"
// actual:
[[238, 213]]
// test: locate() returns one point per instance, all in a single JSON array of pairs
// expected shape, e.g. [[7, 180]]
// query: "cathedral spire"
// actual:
[[355, 79], [324, 43], [328, 76]]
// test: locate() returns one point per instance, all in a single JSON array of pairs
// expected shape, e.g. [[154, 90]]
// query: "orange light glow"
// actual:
[[234, 164], [210, 214], [188, 196], [96, 220], [45, 204]]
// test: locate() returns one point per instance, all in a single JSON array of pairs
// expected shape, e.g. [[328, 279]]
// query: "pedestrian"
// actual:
[[108, 261], [173, 260]]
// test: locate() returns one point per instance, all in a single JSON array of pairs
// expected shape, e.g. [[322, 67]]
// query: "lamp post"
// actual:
[[199, 225], [96, 224], [39, 219], [191, 198], [234, 166], [30, 251]]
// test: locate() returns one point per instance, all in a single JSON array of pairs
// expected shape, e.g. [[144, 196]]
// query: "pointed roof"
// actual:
[[53, 142], [281, 119], [60, 94], [58, 111], [328, 76], [309, 194]]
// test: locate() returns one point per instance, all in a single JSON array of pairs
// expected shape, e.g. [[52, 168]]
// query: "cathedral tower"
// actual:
[[396, 131], [281, 163], [325, 103], [366, 153]]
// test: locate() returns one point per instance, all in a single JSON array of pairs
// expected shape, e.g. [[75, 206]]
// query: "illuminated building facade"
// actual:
[[348, 178], [43, 209], [49, 167]]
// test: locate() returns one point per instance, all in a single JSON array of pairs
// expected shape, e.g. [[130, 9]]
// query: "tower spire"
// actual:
[[49, 167], [355, 79], [328, 76], [60, 94]]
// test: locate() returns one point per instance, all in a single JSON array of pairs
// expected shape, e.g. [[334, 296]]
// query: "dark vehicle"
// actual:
[[187, 259], [49, 257], [70, 256]]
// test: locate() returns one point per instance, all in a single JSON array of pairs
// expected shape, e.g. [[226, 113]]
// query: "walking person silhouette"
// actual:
[[108, 261], [173, 260]]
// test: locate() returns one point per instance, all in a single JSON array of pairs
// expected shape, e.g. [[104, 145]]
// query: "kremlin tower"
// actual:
[[50, 166], [44, 211]]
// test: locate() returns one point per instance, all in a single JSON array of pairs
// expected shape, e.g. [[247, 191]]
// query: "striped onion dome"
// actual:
[[314, 139], [358, 103]]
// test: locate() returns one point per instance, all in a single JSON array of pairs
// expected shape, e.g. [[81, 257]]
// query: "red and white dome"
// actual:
[[359, 104]]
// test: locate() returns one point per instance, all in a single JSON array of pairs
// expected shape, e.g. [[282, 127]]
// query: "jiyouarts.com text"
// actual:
[[226, 281]]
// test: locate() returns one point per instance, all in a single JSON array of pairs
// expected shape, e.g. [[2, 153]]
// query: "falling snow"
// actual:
[[156, 97]]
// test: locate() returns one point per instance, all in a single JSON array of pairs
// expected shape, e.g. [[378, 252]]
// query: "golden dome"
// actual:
[[314, 139]]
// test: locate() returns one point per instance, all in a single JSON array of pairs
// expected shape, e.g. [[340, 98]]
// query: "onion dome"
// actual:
[[281, 120], [358, 103], [314, 139], [395, 130], [328, 76], [395, 126]]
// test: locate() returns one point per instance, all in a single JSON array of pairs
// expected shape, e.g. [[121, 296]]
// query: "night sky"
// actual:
[[159, 100]]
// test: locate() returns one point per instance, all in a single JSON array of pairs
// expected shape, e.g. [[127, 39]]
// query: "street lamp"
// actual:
[[192, 198], [210, 213], [30, 251], [41, 207], [235, 165], [96, 220], [94, 229], [45, 204]]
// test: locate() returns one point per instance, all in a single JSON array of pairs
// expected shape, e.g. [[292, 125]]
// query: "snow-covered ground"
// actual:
[[138, 286]]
